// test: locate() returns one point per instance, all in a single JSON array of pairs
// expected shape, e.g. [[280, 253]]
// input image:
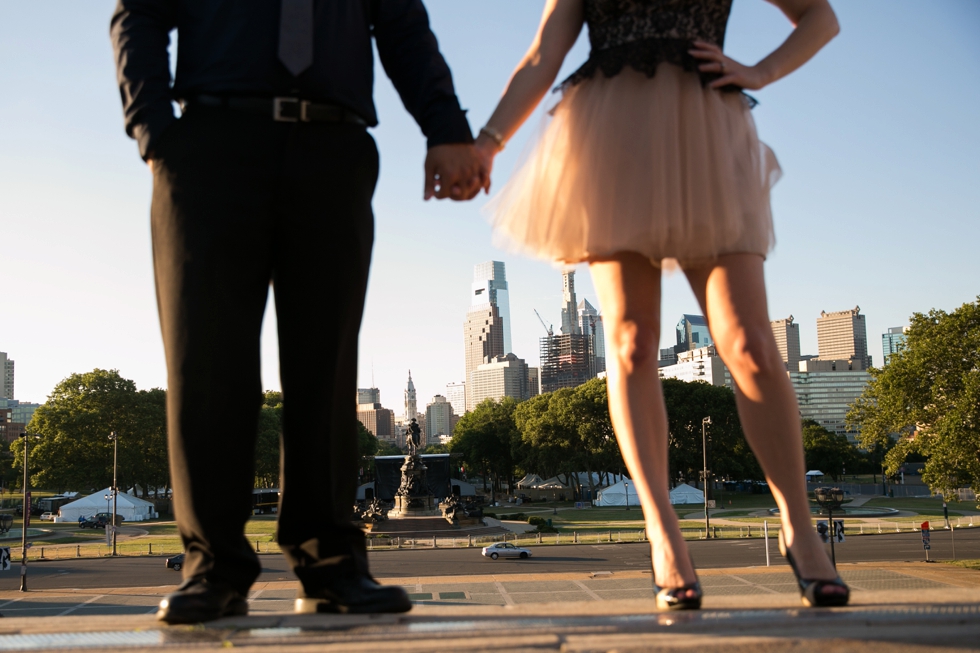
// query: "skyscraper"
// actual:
[[590, 323], [567, 359], [368, 396], [490, 287], [411, 405], [787, 334], [483, 338], [843, 335], [6, 376], [456, 395], [692, 333], [892, 340], [569, 316]]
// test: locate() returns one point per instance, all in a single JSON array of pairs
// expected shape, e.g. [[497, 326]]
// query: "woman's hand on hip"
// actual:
[[732, 72]]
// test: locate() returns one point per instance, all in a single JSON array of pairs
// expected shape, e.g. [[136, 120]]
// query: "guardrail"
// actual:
[[40, 552]]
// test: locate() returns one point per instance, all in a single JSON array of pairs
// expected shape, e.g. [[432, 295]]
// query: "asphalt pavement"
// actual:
[[151, 571]]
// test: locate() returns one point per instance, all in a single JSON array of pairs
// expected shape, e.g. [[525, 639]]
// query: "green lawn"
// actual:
[[931, 506]]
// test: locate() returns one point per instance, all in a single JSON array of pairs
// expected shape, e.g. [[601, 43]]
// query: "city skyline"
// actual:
[[74, 196]]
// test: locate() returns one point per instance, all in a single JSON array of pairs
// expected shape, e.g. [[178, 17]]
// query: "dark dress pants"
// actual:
[[239, 202]]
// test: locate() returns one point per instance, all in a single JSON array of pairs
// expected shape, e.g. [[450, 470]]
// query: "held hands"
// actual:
[[731, 71], [455, 171], [486, 149]]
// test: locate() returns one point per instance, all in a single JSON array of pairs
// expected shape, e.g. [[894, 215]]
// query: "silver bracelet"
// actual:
[[494, 135]]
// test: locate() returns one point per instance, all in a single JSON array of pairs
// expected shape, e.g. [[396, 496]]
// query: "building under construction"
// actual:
[[567, 361]]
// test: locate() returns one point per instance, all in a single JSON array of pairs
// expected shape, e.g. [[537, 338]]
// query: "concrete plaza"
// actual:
[[895, 606]]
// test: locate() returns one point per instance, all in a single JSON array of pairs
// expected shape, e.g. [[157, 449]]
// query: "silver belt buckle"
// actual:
[[279, 102]]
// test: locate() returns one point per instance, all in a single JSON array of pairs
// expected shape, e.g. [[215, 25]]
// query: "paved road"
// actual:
[[151, 572]]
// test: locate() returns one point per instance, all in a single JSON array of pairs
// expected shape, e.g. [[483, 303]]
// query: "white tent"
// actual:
[[529, 481], [684, 493], [616, 495], [130, 508], [813, 473]]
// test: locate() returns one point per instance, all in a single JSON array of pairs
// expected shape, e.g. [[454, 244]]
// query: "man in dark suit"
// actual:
[[267, 177]]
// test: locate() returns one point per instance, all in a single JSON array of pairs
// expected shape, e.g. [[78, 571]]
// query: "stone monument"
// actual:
[[413, 498]]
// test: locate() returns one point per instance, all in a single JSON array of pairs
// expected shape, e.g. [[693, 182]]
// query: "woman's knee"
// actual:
[[751, 351], [637, 342]]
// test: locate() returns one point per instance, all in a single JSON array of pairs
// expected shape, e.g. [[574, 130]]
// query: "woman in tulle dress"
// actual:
[[651, 159]]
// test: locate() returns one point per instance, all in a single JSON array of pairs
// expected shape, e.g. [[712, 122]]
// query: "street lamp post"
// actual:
[[115, 490], [26, 521], [704, 448], [830, 498], [627, 486]]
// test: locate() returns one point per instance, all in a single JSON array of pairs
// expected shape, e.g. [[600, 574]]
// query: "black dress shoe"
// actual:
[[197, 600], [353, 595]]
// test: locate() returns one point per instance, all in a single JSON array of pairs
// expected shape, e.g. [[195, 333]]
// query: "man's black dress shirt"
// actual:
[[230, 47]]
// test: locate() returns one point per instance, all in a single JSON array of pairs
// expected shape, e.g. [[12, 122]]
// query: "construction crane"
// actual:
[[547, 327]]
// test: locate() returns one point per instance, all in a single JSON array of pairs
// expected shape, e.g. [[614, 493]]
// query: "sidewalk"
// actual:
[[901, 606]]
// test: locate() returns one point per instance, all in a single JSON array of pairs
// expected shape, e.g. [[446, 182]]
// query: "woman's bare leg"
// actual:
[[629, 293], [732, 294]]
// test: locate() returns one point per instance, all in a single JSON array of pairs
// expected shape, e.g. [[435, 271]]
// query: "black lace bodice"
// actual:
[[644, 33]]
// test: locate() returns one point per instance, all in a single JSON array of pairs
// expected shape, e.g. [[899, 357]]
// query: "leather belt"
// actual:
[[280, 109]]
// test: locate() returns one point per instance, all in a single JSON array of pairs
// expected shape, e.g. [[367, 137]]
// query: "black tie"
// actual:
[[296, 35]]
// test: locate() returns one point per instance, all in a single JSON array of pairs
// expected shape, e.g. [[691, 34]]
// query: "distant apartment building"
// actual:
[[787, 334], [667, 357], [825, 395], [843, 335], [692, 333], [378, 420], [440, 420], [533, 381], [456, 395], [6, 376], [503, 376], [893, 340], [703, 364], [21, 412], [590, 323]]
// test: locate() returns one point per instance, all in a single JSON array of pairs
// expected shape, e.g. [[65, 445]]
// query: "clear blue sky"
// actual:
[[878, 138]]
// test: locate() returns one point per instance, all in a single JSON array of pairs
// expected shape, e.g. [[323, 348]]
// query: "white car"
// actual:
[[505, 550], [47, 516]]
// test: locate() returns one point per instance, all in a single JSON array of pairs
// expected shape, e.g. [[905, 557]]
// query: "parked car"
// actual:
[[47, 516], [505, 550], [176, 562], [92, 522]]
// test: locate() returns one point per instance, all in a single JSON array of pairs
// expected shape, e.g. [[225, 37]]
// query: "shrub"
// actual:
[[537, 521]]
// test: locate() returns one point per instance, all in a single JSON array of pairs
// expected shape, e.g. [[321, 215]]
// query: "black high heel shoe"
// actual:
[[668, 597], [812, 591]]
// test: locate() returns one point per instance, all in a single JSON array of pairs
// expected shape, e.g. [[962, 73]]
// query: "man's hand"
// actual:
[[453, 171]]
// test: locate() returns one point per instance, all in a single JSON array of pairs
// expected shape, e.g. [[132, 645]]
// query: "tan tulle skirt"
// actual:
[[660, 166]]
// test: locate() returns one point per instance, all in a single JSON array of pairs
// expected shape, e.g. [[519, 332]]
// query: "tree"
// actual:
[[487, 438], [828, 452], [74, 451], [435, 448], [729, 455], [267, 455], [568, 431], [367, 444], [928, 397]]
